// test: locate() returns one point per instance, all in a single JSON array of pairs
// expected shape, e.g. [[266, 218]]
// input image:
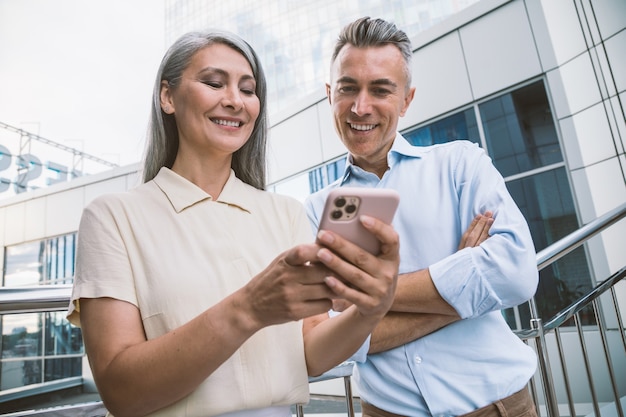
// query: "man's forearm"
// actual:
[[398, 328], [416, 293]]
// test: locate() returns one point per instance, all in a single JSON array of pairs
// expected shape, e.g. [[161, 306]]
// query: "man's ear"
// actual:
[[328, 94], [407, 101], [167, 104]]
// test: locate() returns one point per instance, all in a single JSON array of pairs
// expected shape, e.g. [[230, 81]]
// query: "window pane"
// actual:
[[18, 373], [545, 200], [24, 264], [21, 335], [519, 130], [61, 337], [60, 259], [326, 174], [59, 368], [455, 127]]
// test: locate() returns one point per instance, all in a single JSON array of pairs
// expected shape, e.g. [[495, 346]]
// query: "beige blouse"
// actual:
[[170, 249]]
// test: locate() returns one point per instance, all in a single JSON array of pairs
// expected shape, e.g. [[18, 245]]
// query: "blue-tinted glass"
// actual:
[[60, 259], [61, 337], [326, 174], [59, 368], [519, 130], [457, 126], [546, 201]]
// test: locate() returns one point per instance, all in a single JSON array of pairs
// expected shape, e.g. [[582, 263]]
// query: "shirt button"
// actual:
[[418, 360]]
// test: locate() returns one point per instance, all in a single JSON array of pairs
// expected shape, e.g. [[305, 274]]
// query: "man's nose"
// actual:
[[362, 104]]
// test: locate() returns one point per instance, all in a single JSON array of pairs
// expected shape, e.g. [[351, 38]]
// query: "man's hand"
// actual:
[[477, 232]]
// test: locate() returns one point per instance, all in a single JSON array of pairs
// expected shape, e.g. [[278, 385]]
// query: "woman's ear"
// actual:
[[167, 104]]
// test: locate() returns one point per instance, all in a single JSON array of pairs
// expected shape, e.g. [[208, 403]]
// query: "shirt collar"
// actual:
[[399, 149], [182, 193]]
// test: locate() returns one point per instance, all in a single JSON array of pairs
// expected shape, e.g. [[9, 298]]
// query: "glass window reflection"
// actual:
[[519, 130], [21, 335], [459, 126], [24, 264], [53, 347]]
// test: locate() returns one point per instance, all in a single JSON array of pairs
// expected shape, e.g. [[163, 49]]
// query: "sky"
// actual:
[[81, 72]]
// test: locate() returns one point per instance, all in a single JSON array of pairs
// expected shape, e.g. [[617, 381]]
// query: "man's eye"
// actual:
[[381, 91], [346, 90]]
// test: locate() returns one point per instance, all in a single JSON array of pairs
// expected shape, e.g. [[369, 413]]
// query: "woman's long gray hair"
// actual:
[[162, 136]]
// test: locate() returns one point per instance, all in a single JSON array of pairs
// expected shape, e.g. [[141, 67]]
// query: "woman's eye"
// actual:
[[214, 84], [248, 91]]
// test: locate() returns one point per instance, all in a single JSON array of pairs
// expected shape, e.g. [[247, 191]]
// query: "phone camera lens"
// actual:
[[350, 208], [336, 214], [340, 202]]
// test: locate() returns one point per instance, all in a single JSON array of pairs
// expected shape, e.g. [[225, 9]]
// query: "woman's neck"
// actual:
[[209, 175]]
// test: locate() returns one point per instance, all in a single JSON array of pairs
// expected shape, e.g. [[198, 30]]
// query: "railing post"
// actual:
[[552, 406]]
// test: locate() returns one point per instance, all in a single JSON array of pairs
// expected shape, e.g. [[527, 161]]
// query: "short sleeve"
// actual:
[[102, 265]]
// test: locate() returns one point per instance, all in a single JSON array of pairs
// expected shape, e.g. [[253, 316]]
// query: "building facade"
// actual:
[[539, 84]]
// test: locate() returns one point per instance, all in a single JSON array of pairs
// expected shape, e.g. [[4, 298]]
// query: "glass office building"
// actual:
[[294, 38], [539, 84]]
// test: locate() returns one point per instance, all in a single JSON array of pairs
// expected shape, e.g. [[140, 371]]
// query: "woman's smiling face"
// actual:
[[214, 102]]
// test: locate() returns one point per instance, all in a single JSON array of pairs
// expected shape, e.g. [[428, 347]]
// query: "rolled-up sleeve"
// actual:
[[502, 271]]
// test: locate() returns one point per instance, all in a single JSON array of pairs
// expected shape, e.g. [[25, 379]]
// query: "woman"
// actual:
[[191, 288]]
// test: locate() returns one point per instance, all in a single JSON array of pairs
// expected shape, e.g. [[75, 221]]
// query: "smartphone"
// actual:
[[344, 205]]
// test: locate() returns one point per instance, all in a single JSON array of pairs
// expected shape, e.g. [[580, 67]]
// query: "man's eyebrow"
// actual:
[[346, 80], [384, 81], [379, 81]]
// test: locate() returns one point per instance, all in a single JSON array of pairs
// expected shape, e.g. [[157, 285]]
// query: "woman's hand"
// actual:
[[366, 280], [291, 288]]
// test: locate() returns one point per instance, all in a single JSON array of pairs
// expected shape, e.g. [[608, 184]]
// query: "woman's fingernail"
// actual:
[[325, 237], [367, 220], [324, 255]]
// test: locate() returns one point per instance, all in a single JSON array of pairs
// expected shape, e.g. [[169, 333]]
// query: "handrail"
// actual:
[[43, 298], [539, 330], [570, 242], [574, 308]]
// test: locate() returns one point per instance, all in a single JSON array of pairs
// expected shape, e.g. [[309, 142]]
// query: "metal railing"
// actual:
[[56, 298], [540, 330]]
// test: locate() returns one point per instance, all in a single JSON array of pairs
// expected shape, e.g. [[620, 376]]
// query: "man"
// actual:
[[445, 348]]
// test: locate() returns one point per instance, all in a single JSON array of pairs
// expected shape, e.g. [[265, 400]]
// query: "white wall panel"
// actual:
[[500, 50], [599, 188], [294, 145], [14, 223], [35, 212], [440, 79], [3, 220], [611, 16], [557, 31], [621, 112], [573, 87], [113, 185], [591, 135], [332, 146], [616, 51], [63, 211]]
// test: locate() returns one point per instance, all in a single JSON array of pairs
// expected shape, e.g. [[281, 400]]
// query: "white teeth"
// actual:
[[362, 127], [226, 123]]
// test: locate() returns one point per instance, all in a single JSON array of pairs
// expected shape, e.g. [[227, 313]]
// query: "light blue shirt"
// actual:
[[477, 360]]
